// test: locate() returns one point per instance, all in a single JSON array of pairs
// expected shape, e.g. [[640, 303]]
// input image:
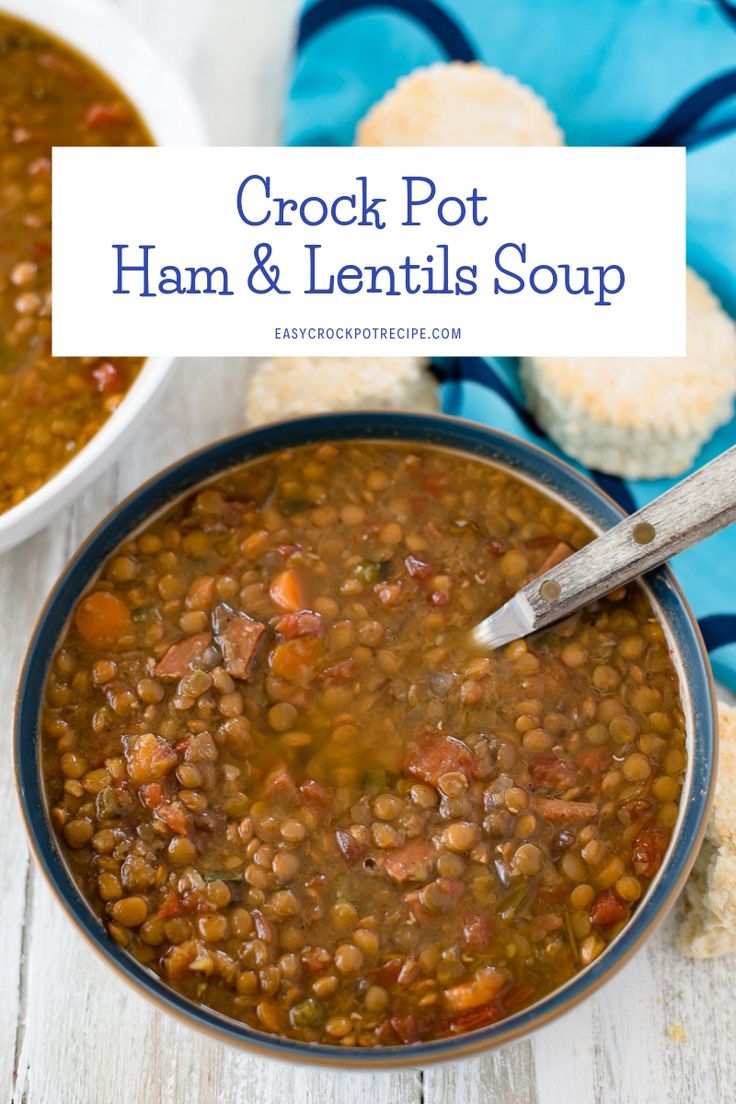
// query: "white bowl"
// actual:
[[100, 33]]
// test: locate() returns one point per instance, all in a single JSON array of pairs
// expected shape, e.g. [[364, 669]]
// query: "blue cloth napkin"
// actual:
[[620, 72]]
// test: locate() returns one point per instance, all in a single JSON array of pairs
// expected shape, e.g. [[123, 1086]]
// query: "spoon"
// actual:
[[690, 511]]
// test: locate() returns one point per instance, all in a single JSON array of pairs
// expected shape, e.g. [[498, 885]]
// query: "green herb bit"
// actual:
[[307, 1013], [290, 506], [514, 900], [371, 572], [108, 804], [373, 780], [223, 875]]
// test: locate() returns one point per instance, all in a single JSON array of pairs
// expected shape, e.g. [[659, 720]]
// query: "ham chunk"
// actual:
[[439, 756], [175, 817], [564, 812], [148, 758], [177, 662], [483, 987], [648, 850], [608, 908], [238, 637], [552, 769], [301, 623], [412, 862]]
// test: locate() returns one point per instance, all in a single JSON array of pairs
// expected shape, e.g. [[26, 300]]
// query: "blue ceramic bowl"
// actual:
[[552, 476]]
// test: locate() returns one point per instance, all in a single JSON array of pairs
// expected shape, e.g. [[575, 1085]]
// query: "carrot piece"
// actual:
[[295, 658], [559, 553], [199, 595], [101, 618], [287, 591], [479, 990]]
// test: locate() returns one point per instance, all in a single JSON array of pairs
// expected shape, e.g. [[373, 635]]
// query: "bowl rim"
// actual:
[[443, 431], [94, 31]]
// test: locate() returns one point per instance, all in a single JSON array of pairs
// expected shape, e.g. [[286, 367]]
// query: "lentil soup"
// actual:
[[49, 406], [288, 784]]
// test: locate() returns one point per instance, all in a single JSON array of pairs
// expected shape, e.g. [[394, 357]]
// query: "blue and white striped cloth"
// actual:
[[620, 72]]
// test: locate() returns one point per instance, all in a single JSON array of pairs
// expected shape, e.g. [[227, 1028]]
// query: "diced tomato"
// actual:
[[608, 908], [102, 618], [148, 758], [440, 755], [300, 623], [170, 906], [553, 769], [176, 818], [595, 760], [177, 661], [151, 794], [106, 116], [477, 932], [108, 377], [342, 671], [412, 862], [406, 1027], [648, 850], [418, 569], [238, 637], [479, 1017]]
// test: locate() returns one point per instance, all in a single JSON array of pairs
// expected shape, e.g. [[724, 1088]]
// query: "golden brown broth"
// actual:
[[378, 835], [49, 406]]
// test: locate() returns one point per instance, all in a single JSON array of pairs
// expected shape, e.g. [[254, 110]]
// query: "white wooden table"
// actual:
[[70, 1031]]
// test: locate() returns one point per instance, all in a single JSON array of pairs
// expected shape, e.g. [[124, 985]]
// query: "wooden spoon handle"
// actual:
[[690, 511]]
